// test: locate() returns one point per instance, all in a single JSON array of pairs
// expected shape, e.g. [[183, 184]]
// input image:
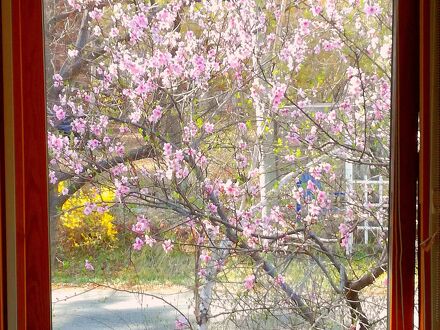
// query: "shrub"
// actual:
[[86, 221]]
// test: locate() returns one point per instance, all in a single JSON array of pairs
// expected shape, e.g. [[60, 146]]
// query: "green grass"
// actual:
[[151, 266], [119, 265]]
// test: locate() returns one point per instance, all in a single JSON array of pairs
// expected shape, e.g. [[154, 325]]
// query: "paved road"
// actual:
[[104, 308]]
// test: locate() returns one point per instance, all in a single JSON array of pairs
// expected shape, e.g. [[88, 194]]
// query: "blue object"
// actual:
[[302, 181], [65, 126]]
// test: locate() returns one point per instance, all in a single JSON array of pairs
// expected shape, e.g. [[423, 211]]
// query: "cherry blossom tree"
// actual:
[[237, 118]]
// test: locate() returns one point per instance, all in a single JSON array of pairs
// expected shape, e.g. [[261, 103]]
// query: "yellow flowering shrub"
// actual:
[[85, 219]]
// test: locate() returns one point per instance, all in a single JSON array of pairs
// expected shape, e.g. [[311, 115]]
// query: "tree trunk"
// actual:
[[356, 311], [206, 290]]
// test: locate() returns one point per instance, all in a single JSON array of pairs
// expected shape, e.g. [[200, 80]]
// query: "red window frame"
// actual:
[[26, 259], [425, 254], [404, 164], [24, 266]]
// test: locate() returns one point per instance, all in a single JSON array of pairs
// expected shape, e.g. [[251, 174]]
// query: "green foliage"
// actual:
[[199, 122]]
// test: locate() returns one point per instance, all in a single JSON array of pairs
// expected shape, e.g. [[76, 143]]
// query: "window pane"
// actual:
[[219, 163]]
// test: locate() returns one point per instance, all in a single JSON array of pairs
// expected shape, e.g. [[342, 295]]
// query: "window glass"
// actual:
[[220, 164]]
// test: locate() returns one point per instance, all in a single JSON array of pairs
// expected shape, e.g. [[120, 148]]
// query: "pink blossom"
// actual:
[[329, 45], [277, 95], [242, 145], [167, 149], [74, 4], [114, 32], [119, 169], [253, 173], [78, 168], [344, 231], [189, 132], [199, 66], [201, 160], [181, 323], [57, 80], [371, 10], [231, 189], [212, 230], [249, 229], [322, 198], [165, 19], [326, 167], [167, 246], [149, 241], [316, 10], [209, 128], [79, 126], [88, 265], [141, 226], [279, 279], [93, 144], [202, 272], [242, 127], [88, 209], [218, 264], [96, 14], [120, 150], [52, 177], [137, 26], [304, 25], [205, 257], [241, 161], [179, 155], [138, 244], [140, 21], [249, 282], [276, 215], [156, 115], [72, 53], [314, 210], [310, 185], [135, 116], [223, 57], [101, 209], [208, 187], [293, 138], [97, 31], [144, 88], [121, 189], [96, 129], [316, 172], [182, 173], [212, 208]]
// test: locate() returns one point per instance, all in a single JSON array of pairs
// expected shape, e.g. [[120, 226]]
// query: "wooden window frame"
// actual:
[[404, 164], [24, 243], [27, 282], [428, 56]]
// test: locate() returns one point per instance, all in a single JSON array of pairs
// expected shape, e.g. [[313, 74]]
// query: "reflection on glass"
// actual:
[[220, 164]]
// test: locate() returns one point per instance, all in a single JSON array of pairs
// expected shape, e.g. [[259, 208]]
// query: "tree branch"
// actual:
[[136, 154]]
